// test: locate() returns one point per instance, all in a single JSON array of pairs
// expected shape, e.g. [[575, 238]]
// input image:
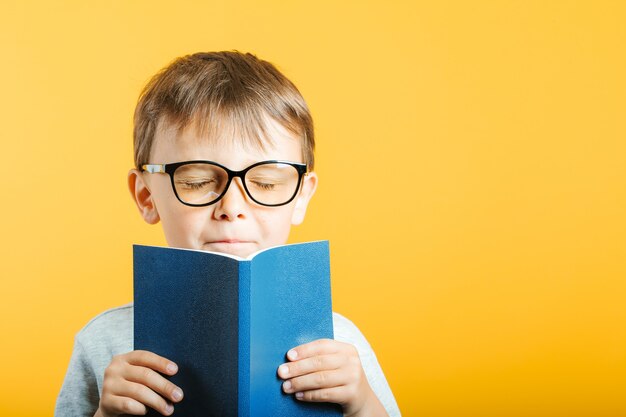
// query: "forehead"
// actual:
[[225, 144]]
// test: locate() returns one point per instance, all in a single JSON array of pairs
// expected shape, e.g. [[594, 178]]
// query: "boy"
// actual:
[[224, 158]]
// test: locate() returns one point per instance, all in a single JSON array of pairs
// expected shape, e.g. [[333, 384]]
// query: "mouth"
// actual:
[[229, 241], [238, 247]]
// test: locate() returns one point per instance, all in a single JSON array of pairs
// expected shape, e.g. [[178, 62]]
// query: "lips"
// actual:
[[230, 241], [223, 244], [238, 247]]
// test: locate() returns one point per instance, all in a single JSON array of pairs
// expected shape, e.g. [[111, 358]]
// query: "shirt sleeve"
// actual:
[[347, 332], [79, 396]]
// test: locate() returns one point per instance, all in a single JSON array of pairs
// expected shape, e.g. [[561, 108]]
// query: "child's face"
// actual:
[[235, 224]]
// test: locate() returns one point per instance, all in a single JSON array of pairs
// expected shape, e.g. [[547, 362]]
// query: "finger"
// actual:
[[154, 381], [146, 396], [317, 380], [310, 365], [153, 361], [125, 405], [317, 347], [325, 395]]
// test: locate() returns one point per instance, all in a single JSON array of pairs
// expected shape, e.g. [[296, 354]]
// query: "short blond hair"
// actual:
[[218, 91]]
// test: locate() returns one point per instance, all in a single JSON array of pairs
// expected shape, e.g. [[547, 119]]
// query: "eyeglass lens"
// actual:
[[273, 183]]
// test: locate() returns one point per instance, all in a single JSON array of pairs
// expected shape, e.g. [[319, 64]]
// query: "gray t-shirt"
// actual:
[[111, 333]]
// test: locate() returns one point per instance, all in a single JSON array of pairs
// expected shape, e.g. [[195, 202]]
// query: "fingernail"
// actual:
[[177, 394], [287, 386], [169, 409], [299, 395], [171, 367], [283, 370], [292, 354]]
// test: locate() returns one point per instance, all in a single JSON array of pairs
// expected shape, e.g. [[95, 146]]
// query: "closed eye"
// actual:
[[264, 185], [195, 185]]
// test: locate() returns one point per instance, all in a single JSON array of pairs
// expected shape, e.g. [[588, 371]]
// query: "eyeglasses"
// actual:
[[202, 183]]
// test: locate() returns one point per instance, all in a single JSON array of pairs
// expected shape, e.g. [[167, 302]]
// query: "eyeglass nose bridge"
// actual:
[[231, 176]]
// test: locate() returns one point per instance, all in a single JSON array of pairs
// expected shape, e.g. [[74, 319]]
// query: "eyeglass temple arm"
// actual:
[[153, 168]]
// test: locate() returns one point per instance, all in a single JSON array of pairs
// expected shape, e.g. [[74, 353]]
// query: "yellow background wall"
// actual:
[[472, 157]]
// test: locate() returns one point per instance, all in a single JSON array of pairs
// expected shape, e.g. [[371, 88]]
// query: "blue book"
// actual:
[[228, 323]]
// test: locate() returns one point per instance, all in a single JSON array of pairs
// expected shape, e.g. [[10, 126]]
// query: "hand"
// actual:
[[330, 371], [132, 382]]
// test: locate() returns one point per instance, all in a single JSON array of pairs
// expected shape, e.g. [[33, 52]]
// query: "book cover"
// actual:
[[228, 323]]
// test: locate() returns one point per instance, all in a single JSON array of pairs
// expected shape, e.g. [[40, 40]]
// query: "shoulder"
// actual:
[[346, 331], [114, 319], [111, 330]]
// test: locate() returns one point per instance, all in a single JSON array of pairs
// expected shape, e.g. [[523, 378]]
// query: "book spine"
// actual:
[[243, 362]]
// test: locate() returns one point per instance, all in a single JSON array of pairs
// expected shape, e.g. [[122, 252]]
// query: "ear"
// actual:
[[142, 196], [309, 185]]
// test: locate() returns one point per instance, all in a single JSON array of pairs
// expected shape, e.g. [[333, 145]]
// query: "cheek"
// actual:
[[183, 226], [275, 225]]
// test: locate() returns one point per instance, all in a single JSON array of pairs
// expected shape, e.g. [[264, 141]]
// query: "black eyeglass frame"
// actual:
[[171, 168]]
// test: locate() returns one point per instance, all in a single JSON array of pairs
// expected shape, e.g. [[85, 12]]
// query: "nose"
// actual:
[[233, 204]]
